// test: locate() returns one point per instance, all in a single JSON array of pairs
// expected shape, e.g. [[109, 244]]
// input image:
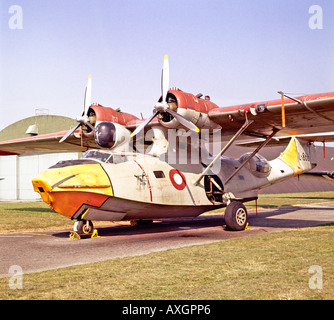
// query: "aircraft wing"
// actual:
[[303, 115], [47, 143]]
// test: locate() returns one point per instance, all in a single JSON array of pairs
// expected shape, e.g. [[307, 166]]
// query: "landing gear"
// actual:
[[83, 227], [236, 216]]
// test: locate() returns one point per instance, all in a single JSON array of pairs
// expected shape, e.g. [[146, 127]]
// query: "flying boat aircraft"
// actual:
[[161, 167]]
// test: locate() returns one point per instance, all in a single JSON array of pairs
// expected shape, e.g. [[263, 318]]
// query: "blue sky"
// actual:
[[235, 51]]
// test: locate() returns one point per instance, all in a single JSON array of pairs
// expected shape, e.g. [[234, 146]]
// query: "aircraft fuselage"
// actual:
[[107, 186]]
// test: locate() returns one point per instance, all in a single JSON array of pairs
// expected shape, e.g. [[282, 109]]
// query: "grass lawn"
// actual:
[[23, 216], [268, 266], [292, 199]]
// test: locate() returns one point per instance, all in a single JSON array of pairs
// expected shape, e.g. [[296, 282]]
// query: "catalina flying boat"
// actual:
[[172, 164]]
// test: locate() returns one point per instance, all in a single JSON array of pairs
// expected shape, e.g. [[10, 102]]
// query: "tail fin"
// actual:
[[299, 155]]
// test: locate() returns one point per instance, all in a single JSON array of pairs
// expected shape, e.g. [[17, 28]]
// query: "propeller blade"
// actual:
[[84, 118], [88, 96], [69, 133], [165, 80], [186, 123], [144, 124], [164, 91]]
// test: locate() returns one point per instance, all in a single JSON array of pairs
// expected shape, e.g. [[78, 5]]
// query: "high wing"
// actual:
[[310, 119], [303, 115], [78, 141], [47, 143]]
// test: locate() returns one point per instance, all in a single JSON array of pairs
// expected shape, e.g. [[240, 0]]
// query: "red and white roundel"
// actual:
[[178, 179]]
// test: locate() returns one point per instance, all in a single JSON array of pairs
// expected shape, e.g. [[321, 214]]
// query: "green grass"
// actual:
[[293, 199], [23, 216], [268, 266]]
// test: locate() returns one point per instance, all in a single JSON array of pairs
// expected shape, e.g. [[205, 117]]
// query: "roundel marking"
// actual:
[[177, 179]]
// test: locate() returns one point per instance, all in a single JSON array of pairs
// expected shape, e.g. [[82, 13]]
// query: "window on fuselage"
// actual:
[[159, 174]]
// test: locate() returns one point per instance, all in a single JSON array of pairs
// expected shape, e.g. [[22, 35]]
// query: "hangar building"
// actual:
[[18, 171]]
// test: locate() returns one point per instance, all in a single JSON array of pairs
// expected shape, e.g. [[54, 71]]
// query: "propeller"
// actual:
[[163, 105], [84, 119]]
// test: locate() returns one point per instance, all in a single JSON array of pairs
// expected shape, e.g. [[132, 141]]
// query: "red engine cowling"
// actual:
[[102, 114], [191, 107]]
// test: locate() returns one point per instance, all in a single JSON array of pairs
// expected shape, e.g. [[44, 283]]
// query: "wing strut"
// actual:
[[218, 156], [275, 130], [302, 103]]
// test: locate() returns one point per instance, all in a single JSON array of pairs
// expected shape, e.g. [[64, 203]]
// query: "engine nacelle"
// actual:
[[112, 136], [193, 108]]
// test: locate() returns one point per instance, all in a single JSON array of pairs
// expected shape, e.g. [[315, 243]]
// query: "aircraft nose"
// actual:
[[70, 184]]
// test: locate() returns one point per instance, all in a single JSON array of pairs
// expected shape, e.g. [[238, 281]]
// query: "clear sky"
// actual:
[[235, 51]]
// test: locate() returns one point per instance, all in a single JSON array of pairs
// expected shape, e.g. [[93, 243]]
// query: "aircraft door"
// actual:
[[214, 188]]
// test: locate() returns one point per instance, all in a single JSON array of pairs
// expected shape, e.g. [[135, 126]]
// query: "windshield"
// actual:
[[107, 157]]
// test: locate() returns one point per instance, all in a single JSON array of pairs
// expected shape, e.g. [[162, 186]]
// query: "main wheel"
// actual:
[[236, 216], [81, 227]]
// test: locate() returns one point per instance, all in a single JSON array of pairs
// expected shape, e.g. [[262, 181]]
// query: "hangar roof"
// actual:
[[42, 124]]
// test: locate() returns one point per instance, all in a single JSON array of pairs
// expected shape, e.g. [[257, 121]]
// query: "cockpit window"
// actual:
[[105, 157], [98, 155]]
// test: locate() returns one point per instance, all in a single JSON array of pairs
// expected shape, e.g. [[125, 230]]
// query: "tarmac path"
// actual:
[[51, 249]]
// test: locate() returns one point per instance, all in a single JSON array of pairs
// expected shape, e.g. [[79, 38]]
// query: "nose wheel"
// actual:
[[83, 227]]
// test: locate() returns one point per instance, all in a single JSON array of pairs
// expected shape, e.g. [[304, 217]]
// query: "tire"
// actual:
[[236, 216], [80, 227]]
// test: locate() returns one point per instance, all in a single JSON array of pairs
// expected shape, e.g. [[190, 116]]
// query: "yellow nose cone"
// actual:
[[67, 187]]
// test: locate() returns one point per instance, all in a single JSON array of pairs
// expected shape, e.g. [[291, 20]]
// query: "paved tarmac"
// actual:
[[50, 249]]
